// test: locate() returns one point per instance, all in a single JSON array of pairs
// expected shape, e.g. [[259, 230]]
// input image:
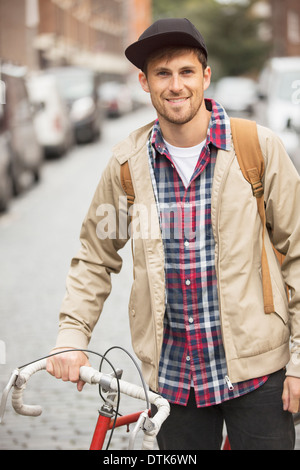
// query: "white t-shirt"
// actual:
[[185, 160]]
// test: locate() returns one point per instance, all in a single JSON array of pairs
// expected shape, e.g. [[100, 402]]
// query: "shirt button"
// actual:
[[188, 358], [186, 243], [191, 320], [188, 282]]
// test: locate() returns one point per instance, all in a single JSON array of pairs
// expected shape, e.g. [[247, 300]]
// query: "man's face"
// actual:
[[176, 86]]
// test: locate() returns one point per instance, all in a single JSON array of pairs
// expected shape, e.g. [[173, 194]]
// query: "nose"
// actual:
[[175, 84]]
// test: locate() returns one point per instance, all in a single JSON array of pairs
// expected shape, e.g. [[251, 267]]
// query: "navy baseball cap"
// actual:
[[162, 33]]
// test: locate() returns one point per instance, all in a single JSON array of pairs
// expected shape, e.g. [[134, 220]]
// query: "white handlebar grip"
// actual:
[[148, 441], [20, 408], [90, 375], [17, 393], [28, 371]]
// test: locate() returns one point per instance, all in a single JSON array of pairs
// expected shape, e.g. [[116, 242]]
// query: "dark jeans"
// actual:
[[255, 421]]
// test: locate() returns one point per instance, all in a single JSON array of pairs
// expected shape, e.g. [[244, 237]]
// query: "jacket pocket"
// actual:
[[279, 298], [280, 301], [141, 324]]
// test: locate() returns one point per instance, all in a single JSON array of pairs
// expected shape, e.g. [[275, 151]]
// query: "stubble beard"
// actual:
[[174, 117]]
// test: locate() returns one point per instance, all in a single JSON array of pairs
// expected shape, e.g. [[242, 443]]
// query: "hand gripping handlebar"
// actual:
[[92, 376]]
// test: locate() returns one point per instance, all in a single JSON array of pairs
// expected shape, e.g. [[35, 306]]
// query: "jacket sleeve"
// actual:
[[89, 279], [282, 190]]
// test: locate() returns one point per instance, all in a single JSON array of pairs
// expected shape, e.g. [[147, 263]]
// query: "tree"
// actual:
[[231, 32]]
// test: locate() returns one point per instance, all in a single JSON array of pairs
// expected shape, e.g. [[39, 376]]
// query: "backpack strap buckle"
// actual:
[[256, 183]]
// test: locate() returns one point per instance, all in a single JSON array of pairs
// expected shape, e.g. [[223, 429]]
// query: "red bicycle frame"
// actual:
[[105, 423]]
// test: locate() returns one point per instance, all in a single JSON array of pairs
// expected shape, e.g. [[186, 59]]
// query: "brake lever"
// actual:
[[144, 422], [6, 391]]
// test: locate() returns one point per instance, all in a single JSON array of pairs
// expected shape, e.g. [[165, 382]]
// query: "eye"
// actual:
[[162, 73], [187, 72]]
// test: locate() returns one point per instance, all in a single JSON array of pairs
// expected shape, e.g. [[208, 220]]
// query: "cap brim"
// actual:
[[138, 52]]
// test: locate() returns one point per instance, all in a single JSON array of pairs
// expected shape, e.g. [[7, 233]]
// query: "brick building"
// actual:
[[285, 25], [18, 23], [38, 33]]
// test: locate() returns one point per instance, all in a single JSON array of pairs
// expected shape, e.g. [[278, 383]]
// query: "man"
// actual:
[[196, 308]]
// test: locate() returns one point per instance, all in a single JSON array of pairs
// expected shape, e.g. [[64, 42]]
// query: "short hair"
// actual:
[[171, 51]]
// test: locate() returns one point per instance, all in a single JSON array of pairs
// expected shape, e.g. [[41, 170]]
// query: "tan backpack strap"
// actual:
[[248, 152], [266, 278], [251, 161], [126, 183]]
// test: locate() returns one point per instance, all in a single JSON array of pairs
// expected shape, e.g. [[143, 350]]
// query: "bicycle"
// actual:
[[109, 419]]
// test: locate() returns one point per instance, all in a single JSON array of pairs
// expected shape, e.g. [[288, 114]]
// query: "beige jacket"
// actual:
[[255, 343]]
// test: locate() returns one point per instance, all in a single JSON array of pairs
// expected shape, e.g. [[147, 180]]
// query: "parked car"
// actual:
[[238, 95], [5, 159], [279, 100], [138, 96], [78, 87], [26, 153], [51, 117], [116, 98]]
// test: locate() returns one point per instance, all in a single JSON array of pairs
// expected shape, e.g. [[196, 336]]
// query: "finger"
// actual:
[[49, 367], [293, 405], [53, 368], [65, 373], [74, 374], [80, 385], [57, 370], [285, 397]]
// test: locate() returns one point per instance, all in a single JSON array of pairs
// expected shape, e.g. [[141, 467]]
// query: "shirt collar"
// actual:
[[218, 132]]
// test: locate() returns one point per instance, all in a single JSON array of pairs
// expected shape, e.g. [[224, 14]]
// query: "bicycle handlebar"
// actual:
[[93, 376]]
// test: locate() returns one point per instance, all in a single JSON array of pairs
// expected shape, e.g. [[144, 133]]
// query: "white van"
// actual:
[[51, 117], [279, 104]]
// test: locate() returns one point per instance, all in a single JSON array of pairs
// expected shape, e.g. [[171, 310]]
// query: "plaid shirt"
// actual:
[[192, 351]]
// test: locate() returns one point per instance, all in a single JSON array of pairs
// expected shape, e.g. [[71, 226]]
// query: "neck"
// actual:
[[189, 134]]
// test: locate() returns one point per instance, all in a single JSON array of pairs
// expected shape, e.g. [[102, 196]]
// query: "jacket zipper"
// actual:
[[156, 359], [222, 183], [228, 382]]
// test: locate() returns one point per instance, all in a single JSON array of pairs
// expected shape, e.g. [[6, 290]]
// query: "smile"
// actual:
[[177, 100]]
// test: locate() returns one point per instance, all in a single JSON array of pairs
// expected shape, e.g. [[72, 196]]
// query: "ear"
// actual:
[[144, 82], [207, 77]]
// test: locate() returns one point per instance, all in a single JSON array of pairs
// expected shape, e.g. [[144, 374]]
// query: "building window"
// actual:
[[293, 27]]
